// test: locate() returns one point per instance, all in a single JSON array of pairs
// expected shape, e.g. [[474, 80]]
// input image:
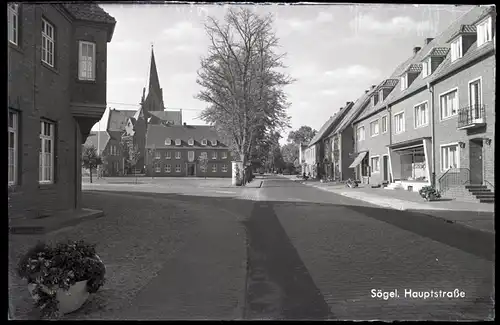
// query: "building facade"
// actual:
[[175, 151], [57, 56]]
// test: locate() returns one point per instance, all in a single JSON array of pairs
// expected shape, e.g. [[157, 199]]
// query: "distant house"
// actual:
[[57, 56], [108, 147], [174, 151]]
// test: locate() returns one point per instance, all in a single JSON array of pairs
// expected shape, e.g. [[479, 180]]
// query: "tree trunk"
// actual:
[[90, 172]]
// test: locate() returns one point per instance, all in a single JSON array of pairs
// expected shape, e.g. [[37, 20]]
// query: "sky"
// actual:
[[335, 52]]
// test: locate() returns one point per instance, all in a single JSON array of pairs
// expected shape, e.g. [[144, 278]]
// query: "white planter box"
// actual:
[[70, 300]]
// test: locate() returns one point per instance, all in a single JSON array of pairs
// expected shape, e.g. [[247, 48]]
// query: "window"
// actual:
[[475, 94], [168, 168], [168, 155], [421, 115], [381, 95], [157, 167], [204, 142], [13, 147], [449, 157], [177, 155], [46, 156], [190, 155], [47, 43], [177, 142], [426, 68], [13, 17], [214, 154], [191, 142], [456, 49], [384, 124], [177, 168], [360, 133], [449, 104], [484, 32], [168, 141], [224, 168], [214, 168], [404, 81], [214, 142], [224, 155], [86, 61], [375, 164], [374, 128], [157, 155], [399, 122]]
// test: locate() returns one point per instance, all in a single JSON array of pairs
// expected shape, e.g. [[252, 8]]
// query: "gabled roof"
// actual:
[[117, 119], [157, 134], [414, 68], [437, 52], [330, 124], [167, 115], [115, 135], [91, 12], [464, 29], [99, 139], [388, 83]]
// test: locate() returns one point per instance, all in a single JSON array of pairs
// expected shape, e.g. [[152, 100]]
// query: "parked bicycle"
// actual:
[[351, 184]]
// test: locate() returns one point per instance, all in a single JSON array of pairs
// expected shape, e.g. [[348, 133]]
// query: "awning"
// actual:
[[358, 159]]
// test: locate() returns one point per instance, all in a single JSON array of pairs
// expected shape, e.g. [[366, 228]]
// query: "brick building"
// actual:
[[436, 126], [57, 56], [174, 150], [108, 146]]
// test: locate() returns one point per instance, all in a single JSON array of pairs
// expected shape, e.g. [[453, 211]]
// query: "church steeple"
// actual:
[[153, 102], [154, 82]]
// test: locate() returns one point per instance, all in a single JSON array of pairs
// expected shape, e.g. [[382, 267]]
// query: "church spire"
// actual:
[[154, 82]]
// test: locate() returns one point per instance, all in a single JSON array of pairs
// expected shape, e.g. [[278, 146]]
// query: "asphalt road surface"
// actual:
[[314, 255]]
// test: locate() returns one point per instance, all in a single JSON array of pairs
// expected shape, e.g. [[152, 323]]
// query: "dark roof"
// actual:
[[157, 134], [388, 83], [414, 67], [327, 127], [89, 11], [99, 139], [464, 29], [437, 51], [167, 115], [118, 119], [115, 135]]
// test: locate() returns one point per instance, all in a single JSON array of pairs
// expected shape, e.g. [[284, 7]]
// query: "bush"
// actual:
[[429, 193], [60, 267]]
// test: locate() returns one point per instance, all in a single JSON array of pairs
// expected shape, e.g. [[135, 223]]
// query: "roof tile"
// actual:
[[157, 134], [90, 12]]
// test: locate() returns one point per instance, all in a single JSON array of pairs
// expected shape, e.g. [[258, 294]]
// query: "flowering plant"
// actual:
[[49, 268]]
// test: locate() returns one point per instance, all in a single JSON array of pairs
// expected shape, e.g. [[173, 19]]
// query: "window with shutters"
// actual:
[[86, 61], [46, 155], [48, 42]]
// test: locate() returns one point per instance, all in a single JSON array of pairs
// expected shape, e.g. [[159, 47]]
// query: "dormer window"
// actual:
[[177, 142], [191, 142], [168, 141], [375, 99], [381, 95], [214, 142], [204, 142], [484, 32], [456, 49], [426, 68], [404, 81]]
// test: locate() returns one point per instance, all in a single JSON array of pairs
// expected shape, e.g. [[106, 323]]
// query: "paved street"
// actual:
[[284, 251]]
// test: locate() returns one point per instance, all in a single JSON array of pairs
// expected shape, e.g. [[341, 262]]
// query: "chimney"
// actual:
[[428, 40], [416, 49], [347, 104], [373, 86], [366, 91], [185, 124]]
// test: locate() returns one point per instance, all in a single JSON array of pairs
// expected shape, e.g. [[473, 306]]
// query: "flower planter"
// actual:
[[68, 301]]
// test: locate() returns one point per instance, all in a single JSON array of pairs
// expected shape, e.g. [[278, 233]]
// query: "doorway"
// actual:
[[476, 161], [385, 163], [191, 170]]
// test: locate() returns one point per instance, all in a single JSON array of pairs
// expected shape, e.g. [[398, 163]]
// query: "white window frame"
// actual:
[[214, 142], [358, 137], [480, 79], [177, 155], [168, 168], [13, 23], [456, 51], [384, 124], [456, 103], [404, 81], [214, 168], [402, 113], [224, 155], [190, 156], [177, 142], [427, 67], [373, 170], [224, 168], [204, 142], [178, 168], [43, 178], [157, 167], [374, 122], [426, 116], [441, 156], [13, 152], [168, 141], [214, 155], [484, 31], [86, 64], [157, 155], [48, 41], [168, 155], [190, 142]]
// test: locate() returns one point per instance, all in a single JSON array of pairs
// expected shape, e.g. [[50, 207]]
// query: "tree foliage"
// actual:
[[303, 135], [90, 158], [240, 80], [131, 151], [203, 161], [290, 153]]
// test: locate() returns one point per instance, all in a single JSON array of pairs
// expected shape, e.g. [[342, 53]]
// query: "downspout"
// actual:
[[433, 132]]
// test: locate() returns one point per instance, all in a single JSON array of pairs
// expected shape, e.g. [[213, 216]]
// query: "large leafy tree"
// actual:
[[303, 135], [290, 153], [241, 80], [90, 159]]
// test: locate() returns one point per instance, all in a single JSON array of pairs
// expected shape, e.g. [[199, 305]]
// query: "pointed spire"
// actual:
[[154, 82]]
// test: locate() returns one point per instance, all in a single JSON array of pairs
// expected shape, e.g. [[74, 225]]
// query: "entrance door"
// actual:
[[476, 161], [191, 170], [385, 162]]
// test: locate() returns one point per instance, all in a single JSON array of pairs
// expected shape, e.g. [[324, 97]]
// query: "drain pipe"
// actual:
[[433, 133], [389, 129]]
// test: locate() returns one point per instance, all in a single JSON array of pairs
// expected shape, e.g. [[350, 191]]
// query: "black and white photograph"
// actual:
[[251, 161]]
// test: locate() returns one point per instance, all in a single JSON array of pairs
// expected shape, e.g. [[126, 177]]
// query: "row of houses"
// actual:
[[432, 122], [165, 145]]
